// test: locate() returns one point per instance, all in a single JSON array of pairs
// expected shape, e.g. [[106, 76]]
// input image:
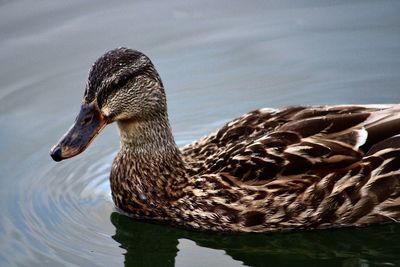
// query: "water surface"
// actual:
[[218, 59]]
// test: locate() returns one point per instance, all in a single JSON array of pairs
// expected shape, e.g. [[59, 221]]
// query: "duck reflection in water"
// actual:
[[148, 244]]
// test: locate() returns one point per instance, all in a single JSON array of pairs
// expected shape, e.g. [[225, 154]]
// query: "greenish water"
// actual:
[[217, 59], [156, 245]]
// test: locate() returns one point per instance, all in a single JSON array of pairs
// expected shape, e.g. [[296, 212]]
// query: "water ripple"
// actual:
[[64, 212]]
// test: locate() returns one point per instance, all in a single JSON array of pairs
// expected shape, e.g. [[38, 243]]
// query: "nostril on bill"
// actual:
[[55, 153]]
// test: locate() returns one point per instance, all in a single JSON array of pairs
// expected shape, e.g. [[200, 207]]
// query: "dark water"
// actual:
[[218, 59]]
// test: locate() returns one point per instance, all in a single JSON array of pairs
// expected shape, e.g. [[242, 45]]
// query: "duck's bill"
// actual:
[[87, 126]]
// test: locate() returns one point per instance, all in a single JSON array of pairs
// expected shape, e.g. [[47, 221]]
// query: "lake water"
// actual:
[[218, 59]]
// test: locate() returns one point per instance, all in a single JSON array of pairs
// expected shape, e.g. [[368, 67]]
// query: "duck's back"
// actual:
[[266, 143], [340, 164]]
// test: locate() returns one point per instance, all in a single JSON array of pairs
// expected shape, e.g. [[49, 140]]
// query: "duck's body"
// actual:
[[269, 170]]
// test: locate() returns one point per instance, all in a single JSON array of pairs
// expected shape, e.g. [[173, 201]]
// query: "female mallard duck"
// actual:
[[269, 170]]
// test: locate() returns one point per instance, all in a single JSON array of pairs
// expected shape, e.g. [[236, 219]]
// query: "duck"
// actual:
[[298, 167]]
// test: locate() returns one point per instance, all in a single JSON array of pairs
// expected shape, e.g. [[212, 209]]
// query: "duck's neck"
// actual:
[[137, 135], [149, 166]]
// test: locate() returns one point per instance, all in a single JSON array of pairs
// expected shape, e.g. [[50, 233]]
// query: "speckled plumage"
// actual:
[[268, 170]]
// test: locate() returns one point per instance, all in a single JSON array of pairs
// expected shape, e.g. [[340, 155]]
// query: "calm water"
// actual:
[[218, 59]]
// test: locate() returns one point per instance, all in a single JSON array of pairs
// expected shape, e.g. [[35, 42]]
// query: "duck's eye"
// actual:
[[121, 81]]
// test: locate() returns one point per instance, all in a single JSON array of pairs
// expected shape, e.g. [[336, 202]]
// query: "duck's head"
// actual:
[[123, 85]]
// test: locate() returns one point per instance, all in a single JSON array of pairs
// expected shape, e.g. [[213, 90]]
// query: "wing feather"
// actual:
[[270, 144]]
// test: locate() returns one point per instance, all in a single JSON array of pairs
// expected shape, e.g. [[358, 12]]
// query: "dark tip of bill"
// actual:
[[55, 153]]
